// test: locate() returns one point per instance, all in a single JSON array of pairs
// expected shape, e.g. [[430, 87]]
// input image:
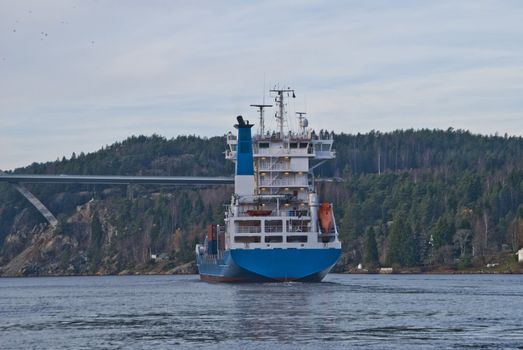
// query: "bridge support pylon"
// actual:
[[37, 204], [46, 213]]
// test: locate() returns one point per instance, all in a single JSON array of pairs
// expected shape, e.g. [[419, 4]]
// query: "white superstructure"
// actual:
[[281, 209]]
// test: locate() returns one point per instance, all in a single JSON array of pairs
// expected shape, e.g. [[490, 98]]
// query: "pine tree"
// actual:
[[403, 243], [94, 251], [443, 231], [371, 257], [394, 253]]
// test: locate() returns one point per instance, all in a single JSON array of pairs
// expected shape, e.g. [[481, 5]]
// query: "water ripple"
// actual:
[[364, 311]]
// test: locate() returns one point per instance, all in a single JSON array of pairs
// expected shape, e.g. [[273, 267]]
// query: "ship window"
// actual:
[[273, 239], [294, 145], [273, 226], [247, 239], [248, 222], [264, 145], [297, 225], [296, 239], [303, 145], [248, 226]]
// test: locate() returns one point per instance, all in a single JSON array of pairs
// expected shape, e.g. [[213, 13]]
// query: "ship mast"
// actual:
[[262, 117], [280, 115]]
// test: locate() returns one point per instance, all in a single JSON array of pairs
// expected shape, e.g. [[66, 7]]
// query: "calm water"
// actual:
[[368, 311]]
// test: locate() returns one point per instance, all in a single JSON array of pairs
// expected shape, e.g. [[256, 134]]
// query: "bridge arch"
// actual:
[[16, 181]]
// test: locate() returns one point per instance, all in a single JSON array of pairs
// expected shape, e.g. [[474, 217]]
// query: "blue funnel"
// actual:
[[244, 161]]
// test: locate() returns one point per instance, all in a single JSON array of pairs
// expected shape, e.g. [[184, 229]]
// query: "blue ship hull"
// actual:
[[268, 265]]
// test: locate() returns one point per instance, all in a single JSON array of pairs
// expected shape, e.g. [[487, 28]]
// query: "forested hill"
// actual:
[[408, 198]]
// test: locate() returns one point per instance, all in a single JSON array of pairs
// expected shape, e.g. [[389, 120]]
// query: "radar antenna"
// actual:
[[262, 117], [303, 122]]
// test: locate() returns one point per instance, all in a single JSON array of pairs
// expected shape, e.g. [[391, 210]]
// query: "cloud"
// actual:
[[107, 70]]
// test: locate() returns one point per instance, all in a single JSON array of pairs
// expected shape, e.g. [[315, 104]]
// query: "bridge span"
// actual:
[[118, 180], [17, 180]]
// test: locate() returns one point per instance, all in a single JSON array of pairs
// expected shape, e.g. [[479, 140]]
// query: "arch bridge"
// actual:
[[18, 181]]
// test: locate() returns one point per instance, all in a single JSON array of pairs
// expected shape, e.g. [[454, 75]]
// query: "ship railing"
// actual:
[[284, 152], [298, 229], [296, 213], [271, 229], [298, 135], [275, 166], [278, 164], [248, 229], [325, 154], [211, 258], [283, 182], [331, 232], [287, 213], [334, 226]]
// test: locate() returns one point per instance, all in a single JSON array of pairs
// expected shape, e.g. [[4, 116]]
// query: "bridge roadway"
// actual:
[[118, 180], [18, 180]]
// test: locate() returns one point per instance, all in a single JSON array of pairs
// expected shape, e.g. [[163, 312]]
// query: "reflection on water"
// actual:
[[273, 311], [365, 311]]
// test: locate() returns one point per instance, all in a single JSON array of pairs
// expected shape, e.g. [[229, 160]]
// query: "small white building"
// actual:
[[520, 256]]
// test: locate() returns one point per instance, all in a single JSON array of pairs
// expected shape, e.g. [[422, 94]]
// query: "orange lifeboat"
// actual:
[[325, 216]]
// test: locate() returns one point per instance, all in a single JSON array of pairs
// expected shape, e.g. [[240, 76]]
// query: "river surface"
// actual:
[[345, 311]]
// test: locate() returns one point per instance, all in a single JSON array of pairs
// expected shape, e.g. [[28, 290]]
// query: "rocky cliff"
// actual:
[[111, 235]]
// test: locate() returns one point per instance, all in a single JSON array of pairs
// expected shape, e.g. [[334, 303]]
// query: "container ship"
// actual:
[[275, 228]]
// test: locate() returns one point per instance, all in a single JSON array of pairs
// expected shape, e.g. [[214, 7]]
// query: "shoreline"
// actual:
[[156, 273], [166, 267]]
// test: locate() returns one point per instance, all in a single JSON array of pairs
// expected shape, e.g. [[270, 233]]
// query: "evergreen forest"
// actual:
[[407, 198]]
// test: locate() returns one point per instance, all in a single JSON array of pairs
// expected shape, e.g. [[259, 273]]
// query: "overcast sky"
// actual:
[[77, 75]]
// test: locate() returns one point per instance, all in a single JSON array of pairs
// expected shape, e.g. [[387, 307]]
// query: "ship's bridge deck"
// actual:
[[292, 145]]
